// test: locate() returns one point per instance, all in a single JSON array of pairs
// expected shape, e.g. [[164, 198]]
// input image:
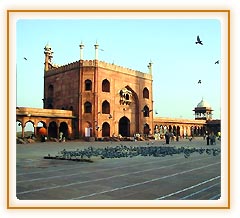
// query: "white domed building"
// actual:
[[203, 111]]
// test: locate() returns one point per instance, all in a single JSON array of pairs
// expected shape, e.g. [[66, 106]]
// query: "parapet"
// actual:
[[124, 70], [39, 112], [100, 64], [59, 69]]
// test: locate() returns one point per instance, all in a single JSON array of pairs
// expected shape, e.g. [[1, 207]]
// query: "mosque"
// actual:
[[92, 98]]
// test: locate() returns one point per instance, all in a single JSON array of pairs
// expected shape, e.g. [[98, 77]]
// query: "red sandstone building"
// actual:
[[106, 99], [92, 98]]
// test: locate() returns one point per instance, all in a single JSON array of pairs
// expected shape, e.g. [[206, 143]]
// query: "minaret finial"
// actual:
[[81, 50], [150, 66], [48, 56], [96, 50]]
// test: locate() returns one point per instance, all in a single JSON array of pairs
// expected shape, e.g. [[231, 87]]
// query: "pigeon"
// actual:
[[199, 41], [199, 81], [217, 62], [129, 151]]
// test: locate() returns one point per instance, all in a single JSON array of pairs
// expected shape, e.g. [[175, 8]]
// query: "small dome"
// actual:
[[203, 103], [47, 46]]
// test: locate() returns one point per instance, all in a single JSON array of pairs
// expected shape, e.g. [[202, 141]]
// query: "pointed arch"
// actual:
[[105, 129], [124, 126], [146, 111], [87, 107], [146, 93], [88, 85], [52, 130], [105, 85], [105, 107]]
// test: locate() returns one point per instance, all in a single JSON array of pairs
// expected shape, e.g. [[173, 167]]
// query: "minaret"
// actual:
[[96, 50], [150, 67], [81, 51], [48, 56]]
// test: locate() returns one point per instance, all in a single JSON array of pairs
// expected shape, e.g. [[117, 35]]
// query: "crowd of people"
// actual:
[[209, 137]]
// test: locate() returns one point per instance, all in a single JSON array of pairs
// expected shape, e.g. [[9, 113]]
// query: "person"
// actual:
[[204, 136], [208, 139], [177, 138], [60, 136], [212, 139], [167, 136], [219, 136], [43, 138]]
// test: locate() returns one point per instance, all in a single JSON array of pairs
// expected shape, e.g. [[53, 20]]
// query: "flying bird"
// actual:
[[217, 62], [199, 41], [25, 58], [199, 81]]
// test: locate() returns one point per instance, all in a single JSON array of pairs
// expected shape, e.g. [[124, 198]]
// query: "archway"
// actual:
[[52, 130], [146, 129], [105, 130], [64, 129], [41, 129], [29, 129], [124, 126], [19, 128], [178, 131], [174, 130], [136, 110]]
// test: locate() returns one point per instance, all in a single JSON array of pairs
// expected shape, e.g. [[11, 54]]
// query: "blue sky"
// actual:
[[178, 63]]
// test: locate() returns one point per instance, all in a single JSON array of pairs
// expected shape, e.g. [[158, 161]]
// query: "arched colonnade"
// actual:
[[53, 121], [180, 127]]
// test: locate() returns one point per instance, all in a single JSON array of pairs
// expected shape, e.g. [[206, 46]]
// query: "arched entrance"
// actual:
[[64, 129], [52, 130], [146, 129], [105, 130], [29, 128], [124, 127], [136, 110], [178, 131], [41, 129]]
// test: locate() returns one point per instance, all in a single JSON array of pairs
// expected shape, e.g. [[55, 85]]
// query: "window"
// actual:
[[105, 107], [88, 85], [145, 93], [87, 107], [145, 111], [105, 86], [50, 91], [49, 99]]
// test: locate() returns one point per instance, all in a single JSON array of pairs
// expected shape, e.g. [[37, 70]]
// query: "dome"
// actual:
[[203, 103]]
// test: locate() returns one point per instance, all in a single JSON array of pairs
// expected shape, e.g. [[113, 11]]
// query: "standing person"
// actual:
[[212, 139], [204, 136], [43, 138], [167, 136], [60, 136], [177, 138], [208, 139]]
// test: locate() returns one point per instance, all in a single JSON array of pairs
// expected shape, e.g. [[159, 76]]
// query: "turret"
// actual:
[[81, 50], [150, 67], [48, 57], [96, 50]]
